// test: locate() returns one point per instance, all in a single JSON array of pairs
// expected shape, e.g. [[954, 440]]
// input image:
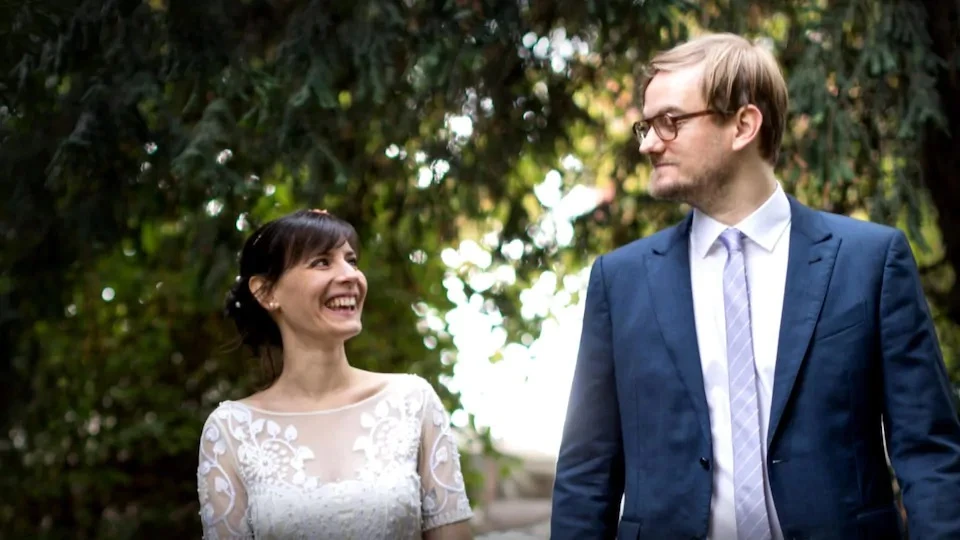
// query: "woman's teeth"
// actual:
[[342, 302]]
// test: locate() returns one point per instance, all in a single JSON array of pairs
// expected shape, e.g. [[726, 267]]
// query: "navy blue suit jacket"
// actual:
[[858, 357]]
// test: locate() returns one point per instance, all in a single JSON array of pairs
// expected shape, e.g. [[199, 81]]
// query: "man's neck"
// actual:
[[741, 197]]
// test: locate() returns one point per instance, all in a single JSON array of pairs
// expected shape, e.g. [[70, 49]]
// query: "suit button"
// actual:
[[705, 463]]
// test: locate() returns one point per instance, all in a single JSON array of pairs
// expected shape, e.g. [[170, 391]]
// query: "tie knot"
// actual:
[[732, 240]]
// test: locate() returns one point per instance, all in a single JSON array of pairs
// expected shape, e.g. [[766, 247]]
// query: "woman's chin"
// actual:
[[345, 330]]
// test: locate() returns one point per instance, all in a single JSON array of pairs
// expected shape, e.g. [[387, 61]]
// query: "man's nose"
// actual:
[[650, 142]]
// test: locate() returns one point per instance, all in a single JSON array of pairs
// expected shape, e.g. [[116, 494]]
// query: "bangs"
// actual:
[[282, 244], [311, 234]]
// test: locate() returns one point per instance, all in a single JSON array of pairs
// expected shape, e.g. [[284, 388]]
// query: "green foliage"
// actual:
[[140, 142]]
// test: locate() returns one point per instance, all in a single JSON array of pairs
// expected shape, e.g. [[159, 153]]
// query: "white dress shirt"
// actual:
[[766, 250]]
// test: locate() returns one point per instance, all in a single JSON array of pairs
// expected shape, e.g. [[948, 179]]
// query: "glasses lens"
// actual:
[[640, 129], [666, 129]]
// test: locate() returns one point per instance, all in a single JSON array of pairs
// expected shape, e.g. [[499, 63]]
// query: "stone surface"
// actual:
[[514, 519]]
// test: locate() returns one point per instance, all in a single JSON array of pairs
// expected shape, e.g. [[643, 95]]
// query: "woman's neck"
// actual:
[[314, 374]]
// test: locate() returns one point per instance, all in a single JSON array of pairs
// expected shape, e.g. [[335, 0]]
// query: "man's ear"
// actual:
[[260, 290], [747, 121]]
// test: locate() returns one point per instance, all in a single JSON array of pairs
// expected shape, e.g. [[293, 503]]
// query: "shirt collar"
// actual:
[[763, 227]]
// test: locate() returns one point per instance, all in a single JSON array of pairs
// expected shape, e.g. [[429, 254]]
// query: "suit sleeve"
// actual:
[[589, 479], [920, 414]]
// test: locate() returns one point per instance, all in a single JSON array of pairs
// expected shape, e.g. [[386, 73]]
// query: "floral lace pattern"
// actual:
[[387, 467]]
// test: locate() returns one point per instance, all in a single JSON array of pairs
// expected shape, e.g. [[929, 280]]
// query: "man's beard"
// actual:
[[698, 190]]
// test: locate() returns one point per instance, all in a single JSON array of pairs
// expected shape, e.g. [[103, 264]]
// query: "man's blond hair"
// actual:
[[736, 73]]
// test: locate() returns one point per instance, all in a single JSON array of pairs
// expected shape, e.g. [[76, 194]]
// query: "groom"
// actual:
[[741, 373]]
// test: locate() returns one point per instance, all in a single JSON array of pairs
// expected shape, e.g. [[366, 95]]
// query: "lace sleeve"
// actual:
[[223, 499], [443, 494]]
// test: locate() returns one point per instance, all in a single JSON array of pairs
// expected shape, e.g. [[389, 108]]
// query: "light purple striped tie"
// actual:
[[752, 521]]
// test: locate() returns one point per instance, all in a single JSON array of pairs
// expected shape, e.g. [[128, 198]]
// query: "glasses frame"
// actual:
[[641, 128]]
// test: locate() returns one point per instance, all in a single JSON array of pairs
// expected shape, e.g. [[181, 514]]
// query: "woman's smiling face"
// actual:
[[321, 298]]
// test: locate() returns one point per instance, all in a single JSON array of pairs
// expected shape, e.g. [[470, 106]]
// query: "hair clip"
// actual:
[[257, 239], [320, 211]]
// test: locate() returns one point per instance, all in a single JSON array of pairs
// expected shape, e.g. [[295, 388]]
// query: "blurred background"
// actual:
[[482, 149]]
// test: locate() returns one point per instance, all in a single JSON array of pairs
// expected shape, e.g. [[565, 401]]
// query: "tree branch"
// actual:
[[933, 267]]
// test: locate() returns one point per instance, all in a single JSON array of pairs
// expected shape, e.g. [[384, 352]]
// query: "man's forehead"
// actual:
[[675, 92], [649, 111]]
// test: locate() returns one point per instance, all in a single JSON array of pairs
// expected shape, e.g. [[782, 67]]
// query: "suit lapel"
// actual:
[[668, 278], [813, 251]]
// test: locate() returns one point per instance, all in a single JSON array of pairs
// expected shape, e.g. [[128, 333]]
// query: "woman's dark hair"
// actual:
[[269, 252]]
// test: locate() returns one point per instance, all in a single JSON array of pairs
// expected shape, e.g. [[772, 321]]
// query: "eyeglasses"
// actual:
[[665, 125]]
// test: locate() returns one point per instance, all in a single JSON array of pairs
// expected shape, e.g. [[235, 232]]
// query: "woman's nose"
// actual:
[[347, 271]]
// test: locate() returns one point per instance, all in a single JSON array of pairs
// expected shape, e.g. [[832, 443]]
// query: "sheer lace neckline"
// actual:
[[391, 380]]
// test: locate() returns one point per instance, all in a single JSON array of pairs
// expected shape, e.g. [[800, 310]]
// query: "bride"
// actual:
[[326, 450]]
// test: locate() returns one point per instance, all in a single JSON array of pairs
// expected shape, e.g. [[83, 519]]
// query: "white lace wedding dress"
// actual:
[[384, 468]]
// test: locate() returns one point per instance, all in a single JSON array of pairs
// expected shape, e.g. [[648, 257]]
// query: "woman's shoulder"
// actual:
[[229, 411], [222, 426], [405, 380], [413, 392], [410, 384]]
